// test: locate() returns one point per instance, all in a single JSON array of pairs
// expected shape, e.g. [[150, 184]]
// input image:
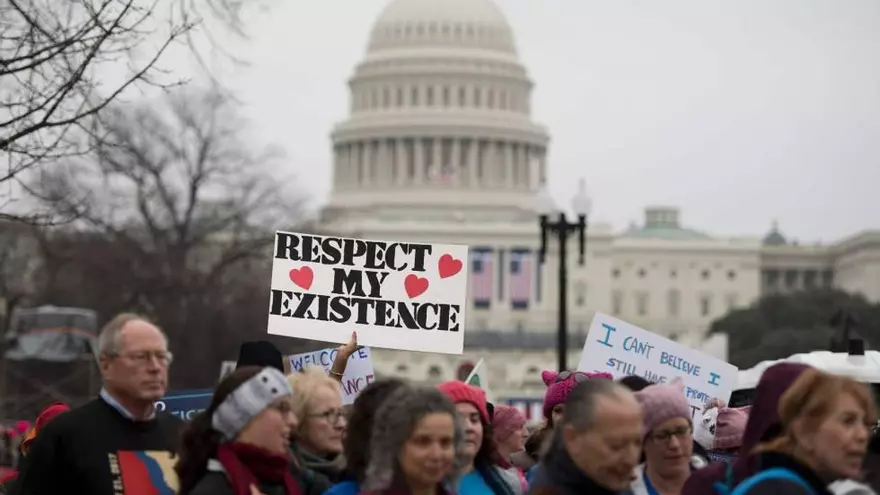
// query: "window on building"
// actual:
[[446, 96], [731, 275], [414, 96], [617, 302], [374, 98], [791, 278], [478, 101], [400, 97], [705, 274], [705, 305], [642, 303], [810, 277], [580, 294], [429, 96], [673, 302], [615, 273], [642, 273], [490, 98], [732, 301], [462, 96], [402, 369], [434, 372]]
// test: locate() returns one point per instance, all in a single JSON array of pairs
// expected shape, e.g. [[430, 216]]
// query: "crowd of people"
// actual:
[[266, 432]]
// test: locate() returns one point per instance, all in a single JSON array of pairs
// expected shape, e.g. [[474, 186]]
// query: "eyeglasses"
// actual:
[[579, 376], [332, 415], [678, 433], [145, 357]]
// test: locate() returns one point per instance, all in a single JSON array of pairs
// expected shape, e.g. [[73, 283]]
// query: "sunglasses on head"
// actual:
[[579, 376]]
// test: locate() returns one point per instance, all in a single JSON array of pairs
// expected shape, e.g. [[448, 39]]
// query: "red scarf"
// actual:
[[247, 465]]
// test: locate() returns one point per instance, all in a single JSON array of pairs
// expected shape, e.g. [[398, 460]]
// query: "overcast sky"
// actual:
[[738, 112]]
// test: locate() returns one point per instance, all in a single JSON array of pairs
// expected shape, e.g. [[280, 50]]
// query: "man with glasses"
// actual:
[[118, 440]]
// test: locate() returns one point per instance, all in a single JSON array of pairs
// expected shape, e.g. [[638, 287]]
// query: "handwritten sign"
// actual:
[[623, 349], [358, 372], [185, 404], [398, 295]]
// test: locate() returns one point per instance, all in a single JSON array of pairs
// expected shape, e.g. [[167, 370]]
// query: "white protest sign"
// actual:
[[226, 367], [358, 372], [623, 349], [398, 295]]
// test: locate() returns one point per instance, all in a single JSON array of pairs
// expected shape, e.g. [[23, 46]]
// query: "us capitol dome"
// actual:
[[440, 127]]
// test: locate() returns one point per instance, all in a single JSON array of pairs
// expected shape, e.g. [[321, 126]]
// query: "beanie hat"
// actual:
[[47, 414], [462, 392], [260, 353], [661, 403], [249, 400], [729, 427], [507, 421], [559, 385]]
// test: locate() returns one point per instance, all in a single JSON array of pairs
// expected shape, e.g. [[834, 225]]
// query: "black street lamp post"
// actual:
[[563, 230]]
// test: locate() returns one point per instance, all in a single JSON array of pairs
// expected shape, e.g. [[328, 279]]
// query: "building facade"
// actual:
[[440, 147]]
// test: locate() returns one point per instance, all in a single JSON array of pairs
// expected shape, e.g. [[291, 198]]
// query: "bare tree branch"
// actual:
[[52, 54]]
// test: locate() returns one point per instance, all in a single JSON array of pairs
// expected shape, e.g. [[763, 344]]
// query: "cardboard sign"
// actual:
[[358, 372], [397, 295], [623, 349], [185, 404]]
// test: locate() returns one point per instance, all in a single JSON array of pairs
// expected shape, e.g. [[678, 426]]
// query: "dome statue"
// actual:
[[440, 120]]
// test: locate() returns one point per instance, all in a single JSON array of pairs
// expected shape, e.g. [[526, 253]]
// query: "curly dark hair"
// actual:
[[356, 447], [200, 441]]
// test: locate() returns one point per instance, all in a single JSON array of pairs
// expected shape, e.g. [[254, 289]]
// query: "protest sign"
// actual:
[[398, 295], [185, 404], [227, 367], [623, 349], [358, 372]]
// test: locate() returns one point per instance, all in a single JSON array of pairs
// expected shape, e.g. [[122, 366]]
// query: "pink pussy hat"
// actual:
[[559, 385]]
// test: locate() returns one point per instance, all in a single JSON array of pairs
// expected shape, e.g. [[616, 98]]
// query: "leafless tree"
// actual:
[[54, 62], [176, 216]]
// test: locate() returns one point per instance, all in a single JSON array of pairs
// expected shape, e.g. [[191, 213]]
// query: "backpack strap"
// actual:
[[772, 474], [726, 486]]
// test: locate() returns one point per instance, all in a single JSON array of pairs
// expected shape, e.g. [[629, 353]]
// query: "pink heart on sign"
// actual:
[[302, 277], [415, 285], [448, 266]]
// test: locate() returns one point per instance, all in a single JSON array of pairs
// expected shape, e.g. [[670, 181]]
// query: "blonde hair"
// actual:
[[304, 384], [811, 399]]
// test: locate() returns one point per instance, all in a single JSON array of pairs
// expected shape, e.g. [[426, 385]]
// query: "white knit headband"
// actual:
[[248, 400]]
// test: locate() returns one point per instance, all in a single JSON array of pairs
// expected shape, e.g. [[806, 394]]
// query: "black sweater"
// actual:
[[94, 449]]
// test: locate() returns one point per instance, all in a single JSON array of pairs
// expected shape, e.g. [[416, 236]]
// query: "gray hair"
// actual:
[[397, 417], [109, 338], [580, 406]]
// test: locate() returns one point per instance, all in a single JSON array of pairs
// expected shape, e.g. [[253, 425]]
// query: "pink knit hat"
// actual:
[[729, 427], [507, 421], [663, 402], [559, 385]]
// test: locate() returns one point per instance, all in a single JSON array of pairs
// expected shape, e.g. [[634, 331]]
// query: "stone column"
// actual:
[[509, 179], [419, 148], [454, 160], [400, 160], [437, 162], [384, 163], [473, 155]]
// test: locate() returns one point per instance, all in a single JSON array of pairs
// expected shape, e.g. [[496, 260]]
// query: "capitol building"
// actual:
[[440, 147]]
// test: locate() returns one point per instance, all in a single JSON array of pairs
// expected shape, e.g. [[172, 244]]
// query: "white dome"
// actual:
[[434, 23]]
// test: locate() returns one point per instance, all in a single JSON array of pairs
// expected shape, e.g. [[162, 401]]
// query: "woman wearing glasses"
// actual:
[[669, 440], [317, 442]]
